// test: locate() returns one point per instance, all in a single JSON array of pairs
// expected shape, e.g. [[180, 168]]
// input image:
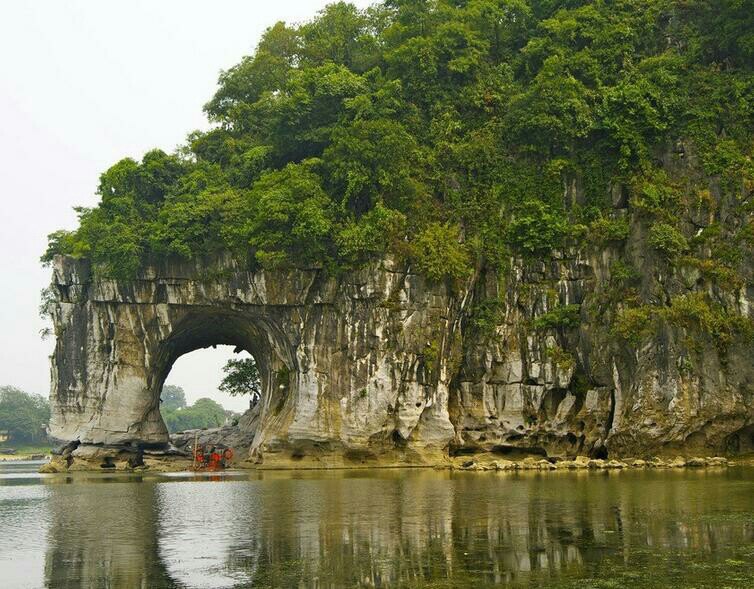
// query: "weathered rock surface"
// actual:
[[230, 436], [381, 361]]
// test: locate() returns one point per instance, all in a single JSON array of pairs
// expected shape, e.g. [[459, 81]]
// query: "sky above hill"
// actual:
[[84, 83]]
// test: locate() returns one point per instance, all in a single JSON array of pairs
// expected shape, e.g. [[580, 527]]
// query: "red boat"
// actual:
[[213, 458]]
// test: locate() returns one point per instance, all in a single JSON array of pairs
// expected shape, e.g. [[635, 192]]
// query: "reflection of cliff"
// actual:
[[426, 526], [389, 528], [102, 535], [198, 524]]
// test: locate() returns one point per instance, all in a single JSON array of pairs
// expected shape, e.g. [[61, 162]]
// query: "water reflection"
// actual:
[[380, 529], [24, 517], [102, 535], [198, 523], [393, 529]]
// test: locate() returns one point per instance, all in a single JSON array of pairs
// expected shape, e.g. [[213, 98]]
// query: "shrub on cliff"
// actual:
[[439, 253], [536, 229], [564, 317], [667, 240]]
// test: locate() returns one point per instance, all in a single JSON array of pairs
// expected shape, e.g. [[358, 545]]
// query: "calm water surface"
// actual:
[[378, 529]]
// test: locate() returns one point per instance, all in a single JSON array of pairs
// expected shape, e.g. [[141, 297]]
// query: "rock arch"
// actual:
[[381, 362], [252, 331], [343, 374]]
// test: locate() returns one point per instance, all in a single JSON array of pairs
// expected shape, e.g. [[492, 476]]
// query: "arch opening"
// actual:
[[221, 374], [245, 337]]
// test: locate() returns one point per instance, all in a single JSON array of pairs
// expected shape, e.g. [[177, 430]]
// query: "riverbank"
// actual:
[[586, 463], [26, 453], [485, 463]]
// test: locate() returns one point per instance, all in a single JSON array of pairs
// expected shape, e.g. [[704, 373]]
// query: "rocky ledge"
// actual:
[[584, 463], [121, 461]]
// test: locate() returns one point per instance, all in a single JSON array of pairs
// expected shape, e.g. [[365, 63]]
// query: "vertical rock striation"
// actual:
[[381, 362]]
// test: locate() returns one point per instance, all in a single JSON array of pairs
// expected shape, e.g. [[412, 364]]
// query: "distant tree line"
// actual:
[[23, 415], [179, 416]]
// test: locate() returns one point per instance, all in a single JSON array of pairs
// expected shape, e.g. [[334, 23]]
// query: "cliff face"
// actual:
[[381, 362], [585, 390], [344, 362]]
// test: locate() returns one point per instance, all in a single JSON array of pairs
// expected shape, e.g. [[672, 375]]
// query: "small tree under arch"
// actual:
[[242, 378]]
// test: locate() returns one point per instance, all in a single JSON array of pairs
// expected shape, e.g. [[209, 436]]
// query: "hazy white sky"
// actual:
[[84, 83]]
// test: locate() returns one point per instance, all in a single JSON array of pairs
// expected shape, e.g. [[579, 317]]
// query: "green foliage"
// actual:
[[553, 111], [267, 71], [485, 316], [536, 229], [642, 108], [608, 229], [667, 240], [147, 181], [241, 378], [370, 162], [62, 242], [716, 273], [635, 324], [23, 415], [724, 31], [431, 355], [204, 413], [195, 217], [692, 312], [695, 313], [439, 253], [289, 217], [622, 277], [172, 397], [653, 193], [563, 317], [443, 132], [371, 235], [562, 359]]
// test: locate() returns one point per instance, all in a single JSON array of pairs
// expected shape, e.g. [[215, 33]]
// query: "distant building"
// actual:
[[4, 436]]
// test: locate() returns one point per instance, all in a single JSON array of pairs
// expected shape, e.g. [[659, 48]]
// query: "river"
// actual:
[[383, 528]]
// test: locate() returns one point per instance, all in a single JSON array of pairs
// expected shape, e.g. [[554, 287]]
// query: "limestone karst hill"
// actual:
[[441, 227]]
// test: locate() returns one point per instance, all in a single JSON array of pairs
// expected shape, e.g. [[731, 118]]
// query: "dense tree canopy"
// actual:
[[23, 416], [204, 413], [444, 131]]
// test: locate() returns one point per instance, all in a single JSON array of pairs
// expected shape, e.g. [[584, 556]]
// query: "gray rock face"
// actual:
[[382, 361], [240, 436]]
